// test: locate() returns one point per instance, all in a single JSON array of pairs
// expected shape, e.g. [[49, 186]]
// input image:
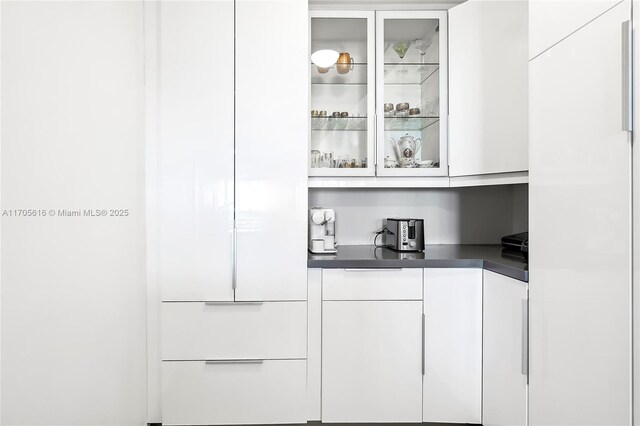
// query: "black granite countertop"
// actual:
[[489, 257]]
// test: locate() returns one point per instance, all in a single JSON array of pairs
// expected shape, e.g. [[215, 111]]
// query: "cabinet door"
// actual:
[[272, 85], [343, 146], [504, 399], [452, 391], [579, 192], [196, 150], [488, 103], [371, 361], [411, 93], [552, 21]]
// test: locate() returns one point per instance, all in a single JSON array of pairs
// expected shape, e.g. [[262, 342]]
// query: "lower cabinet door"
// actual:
[[234, 392], [371, 361], [504, 401], [453, 345]]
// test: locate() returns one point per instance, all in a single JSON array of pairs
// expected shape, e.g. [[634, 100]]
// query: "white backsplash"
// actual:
[[477, 215]]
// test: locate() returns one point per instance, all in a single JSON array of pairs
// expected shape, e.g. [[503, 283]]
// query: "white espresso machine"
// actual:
[[322, 230]]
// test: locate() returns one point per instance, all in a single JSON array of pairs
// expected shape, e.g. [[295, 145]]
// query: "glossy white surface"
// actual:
[[452, 384], [195, 156], [504, 396], [580, 231], [442, 50], [314, 346], [371, 361], [73, 288], [488, 92], [195, 393], [271, 148], [372, 284], [636, 229], [550, 21], [420, 182], [195, 330]]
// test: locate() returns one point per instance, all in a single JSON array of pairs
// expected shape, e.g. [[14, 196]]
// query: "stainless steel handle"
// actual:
[[375, 142], [525, 337], [423, 343], [231, 303], [372, 269], [627, 75], [234, 273], [234, 361]]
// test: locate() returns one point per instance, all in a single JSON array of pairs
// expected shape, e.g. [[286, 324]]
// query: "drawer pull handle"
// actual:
[[371, 269], [234, 361], [231, 303]]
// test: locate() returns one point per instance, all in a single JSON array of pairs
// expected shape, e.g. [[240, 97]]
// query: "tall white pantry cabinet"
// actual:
[[228, 177]]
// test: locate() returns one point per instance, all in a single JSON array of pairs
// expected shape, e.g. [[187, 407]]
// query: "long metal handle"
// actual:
[[230, 303], [525, 337], [234, 273], [375, 142], [234, 361], [423, 344], [372, 269], [627, 75]]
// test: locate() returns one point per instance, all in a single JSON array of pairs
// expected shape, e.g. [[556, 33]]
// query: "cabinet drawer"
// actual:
[[372, 284], [201, 393], [200, 331]]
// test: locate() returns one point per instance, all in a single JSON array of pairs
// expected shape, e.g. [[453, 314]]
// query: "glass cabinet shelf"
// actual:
[[409, 73], [339, 123], [357, 75], [408, 123]]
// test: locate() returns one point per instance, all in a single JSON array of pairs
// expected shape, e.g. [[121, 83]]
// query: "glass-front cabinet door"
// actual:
[[342, 98], [411, 107]]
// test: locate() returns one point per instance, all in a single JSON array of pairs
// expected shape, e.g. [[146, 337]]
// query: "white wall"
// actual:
[[475, 215], [73, 290]]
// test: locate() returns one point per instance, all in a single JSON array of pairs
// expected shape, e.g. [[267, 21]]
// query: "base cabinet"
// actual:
[[452, 389], [234, 392], [371, 361], [505, 351]]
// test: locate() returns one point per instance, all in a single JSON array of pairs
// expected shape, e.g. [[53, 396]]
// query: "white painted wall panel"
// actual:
[[73, 288]]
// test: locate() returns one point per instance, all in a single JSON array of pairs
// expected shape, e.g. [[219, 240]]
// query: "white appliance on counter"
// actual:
[[322, 230]]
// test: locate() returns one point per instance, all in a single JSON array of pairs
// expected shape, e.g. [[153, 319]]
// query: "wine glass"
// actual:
[[422, 45], [401, 48]]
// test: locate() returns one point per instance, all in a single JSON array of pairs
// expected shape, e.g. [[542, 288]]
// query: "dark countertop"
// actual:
[[489, 257]]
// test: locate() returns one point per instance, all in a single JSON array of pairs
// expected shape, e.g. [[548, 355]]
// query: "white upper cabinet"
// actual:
[[411, 67], [271, 129], [552, 21], [488, 94], [195, 153], [580, 223], [343, 96]]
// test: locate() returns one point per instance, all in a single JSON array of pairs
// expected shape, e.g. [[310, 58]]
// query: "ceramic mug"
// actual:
[[344, 64]]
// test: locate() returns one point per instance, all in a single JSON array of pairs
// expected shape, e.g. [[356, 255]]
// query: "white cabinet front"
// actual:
[[452, 390], [195, 151], [505, 351], [270, 330], [488, 96], [371, 361], [219, 393], [271, 83]]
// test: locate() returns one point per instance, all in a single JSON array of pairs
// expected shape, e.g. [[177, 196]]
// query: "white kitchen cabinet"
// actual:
[[452, 386], [580, 223], [504, 351], [220, 330], [234, 392], [271, 83], [195, 153], [371, 361], [372, 284], [552, 21], [488, 92], [411, 69]]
